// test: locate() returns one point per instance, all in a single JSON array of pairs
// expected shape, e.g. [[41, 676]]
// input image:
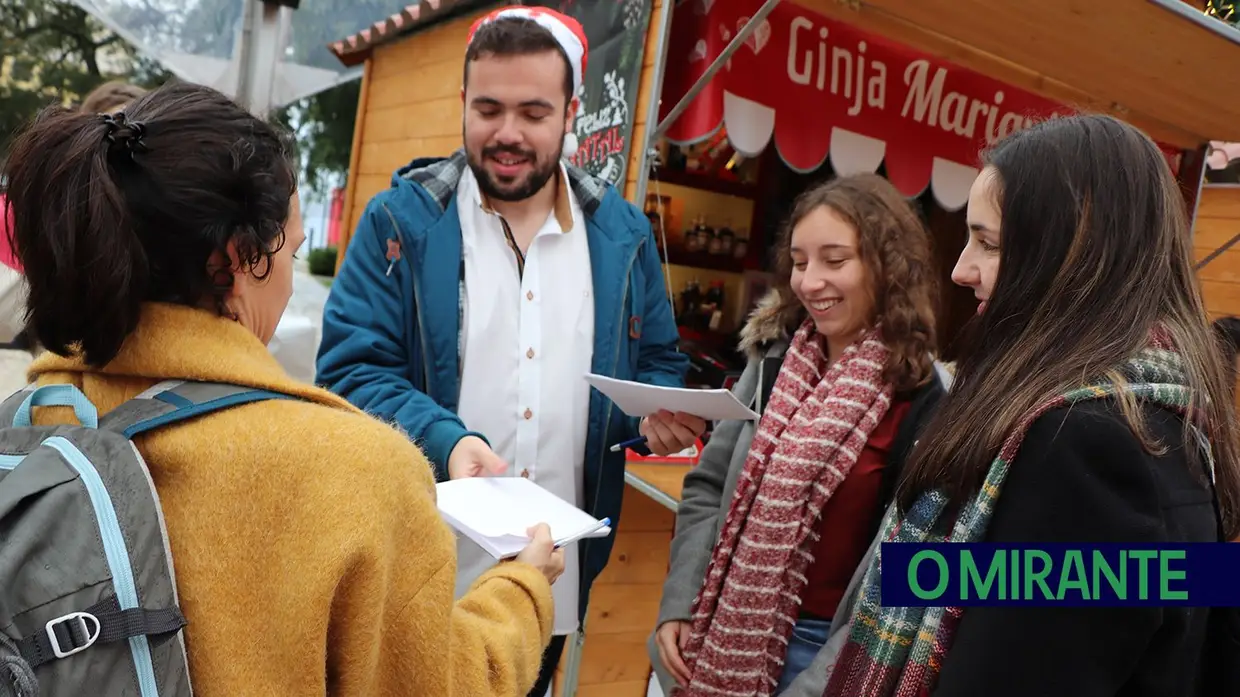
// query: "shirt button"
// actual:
[[528, 414], [529, 354], [529, 295], [525, 474]]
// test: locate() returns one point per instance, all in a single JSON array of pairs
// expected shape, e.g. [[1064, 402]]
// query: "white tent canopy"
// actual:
[[199, 40]]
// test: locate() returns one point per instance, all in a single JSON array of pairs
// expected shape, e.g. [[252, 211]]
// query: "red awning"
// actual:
[[823, 89]]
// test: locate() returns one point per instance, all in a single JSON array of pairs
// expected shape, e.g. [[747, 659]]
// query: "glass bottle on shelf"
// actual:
[[727, 239], [690, 301], [715, 301], [693, 237], [740, 249], [707, 241]]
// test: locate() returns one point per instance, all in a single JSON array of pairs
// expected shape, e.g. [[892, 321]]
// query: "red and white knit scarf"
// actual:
[[818, 419]]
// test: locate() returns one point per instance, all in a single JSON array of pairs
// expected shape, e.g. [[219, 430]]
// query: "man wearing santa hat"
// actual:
[[479, 290]]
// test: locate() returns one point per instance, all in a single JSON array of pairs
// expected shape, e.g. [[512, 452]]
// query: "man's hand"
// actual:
[[472, 457], [667, 433]]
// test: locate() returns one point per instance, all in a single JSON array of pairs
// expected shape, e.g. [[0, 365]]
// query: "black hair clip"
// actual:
[[127, 134]]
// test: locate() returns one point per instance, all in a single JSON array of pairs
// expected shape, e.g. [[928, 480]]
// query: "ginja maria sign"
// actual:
[[822, 88]]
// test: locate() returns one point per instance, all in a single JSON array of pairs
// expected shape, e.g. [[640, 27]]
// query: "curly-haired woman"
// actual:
[[775, 519]]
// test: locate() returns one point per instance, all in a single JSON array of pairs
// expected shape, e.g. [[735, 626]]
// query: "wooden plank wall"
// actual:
[[644, 89], [624, 603], [1218, 220], [410, 107]]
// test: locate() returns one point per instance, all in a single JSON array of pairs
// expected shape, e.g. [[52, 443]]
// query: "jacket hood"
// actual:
[[440, 176], [765, 326], [415, 164], [175, 342]]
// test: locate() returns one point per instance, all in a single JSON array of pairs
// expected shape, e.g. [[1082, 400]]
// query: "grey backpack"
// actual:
[[88, 597]]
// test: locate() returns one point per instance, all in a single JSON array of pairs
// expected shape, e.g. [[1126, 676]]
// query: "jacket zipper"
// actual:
[[417, 301], [615, 364], [761, 384], [586, 543]]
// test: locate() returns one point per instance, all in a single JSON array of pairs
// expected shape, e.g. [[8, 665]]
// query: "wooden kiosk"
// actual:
[[1156, 63]]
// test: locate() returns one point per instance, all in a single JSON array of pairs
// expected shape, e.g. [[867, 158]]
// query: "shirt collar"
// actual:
[[563, 207]]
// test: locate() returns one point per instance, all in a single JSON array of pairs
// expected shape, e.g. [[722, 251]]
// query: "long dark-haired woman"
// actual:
[[1093, 407], [778, 514]]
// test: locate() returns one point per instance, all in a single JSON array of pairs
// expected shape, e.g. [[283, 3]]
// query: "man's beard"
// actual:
[[518, 190]]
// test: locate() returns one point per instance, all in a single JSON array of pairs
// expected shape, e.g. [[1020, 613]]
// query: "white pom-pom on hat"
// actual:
[[570, 145]]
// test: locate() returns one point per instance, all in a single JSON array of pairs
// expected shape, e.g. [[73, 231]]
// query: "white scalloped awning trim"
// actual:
[[751, 126]]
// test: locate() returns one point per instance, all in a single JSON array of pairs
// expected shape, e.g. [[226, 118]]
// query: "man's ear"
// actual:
[[462, 94], [570, 114]]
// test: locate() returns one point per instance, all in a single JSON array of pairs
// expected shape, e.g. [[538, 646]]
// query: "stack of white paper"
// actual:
[[495, 513], [637, 399]]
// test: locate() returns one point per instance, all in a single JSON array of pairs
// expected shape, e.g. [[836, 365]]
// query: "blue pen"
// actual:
[[628, 444], [606, 522]]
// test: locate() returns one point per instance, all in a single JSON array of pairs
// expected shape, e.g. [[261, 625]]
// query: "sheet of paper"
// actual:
[[636, 399], [496, 511]]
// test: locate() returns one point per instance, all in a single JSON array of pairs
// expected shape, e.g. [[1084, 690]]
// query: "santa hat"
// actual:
[[566, 31]]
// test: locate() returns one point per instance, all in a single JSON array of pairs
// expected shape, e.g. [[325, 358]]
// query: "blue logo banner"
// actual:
[[1079, 575]]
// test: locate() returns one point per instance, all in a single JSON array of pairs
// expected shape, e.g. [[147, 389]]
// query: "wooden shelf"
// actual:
[[704, 182], [704, 260]]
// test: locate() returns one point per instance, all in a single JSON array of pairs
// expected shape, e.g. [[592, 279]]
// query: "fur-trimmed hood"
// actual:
[[765, 326]]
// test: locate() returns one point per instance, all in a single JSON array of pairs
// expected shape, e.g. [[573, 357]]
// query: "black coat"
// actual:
[[1082, 476]]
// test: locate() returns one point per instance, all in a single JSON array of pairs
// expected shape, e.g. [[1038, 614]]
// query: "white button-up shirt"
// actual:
[[527, 344]]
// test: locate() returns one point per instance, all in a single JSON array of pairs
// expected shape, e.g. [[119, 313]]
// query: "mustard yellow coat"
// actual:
[[310, 557]]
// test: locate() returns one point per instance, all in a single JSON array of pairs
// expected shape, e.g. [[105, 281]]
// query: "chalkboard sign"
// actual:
[[616, 30]]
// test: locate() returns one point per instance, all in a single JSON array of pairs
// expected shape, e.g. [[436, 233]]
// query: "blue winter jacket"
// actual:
[[391, 327]]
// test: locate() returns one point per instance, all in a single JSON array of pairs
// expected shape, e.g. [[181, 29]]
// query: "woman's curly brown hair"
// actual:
[[895, 247]]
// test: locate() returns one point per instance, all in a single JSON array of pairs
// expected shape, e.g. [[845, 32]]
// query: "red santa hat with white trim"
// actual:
[[566, 31]]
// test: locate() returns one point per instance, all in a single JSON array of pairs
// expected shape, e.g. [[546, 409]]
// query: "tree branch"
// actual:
[[114, 39]]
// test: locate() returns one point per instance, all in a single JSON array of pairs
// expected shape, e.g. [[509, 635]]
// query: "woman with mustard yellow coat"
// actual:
[[310, 557]]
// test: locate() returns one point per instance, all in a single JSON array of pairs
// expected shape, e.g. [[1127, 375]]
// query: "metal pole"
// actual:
[[575, 645], [737, 41], [1191, 177], [650, 146], [1213, 255], [245, 53], [261, 42]]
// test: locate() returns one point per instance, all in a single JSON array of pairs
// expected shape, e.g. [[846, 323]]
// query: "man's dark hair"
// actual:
[[113, 211], [517, 36]]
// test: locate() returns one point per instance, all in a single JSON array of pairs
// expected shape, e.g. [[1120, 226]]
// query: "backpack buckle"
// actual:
[[87, 632]]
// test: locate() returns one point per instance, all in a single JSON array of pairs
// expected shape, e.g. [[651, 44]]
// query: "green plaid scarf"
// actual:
[[897, 652]]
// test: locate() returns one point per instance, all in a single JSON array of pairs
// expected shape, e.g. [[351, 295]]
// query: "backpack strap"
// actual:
[[174, 401], [102, 623], [10, 405]]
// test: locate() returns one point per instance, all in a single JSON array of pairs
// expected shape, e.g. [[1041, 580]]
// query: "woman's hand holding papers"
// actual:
[[668, 433], [542, 553]]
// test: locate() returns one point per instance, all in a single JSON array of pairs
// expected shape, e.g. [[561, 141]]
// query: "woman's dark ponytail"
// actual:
[[111, 211], [72, 232]]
